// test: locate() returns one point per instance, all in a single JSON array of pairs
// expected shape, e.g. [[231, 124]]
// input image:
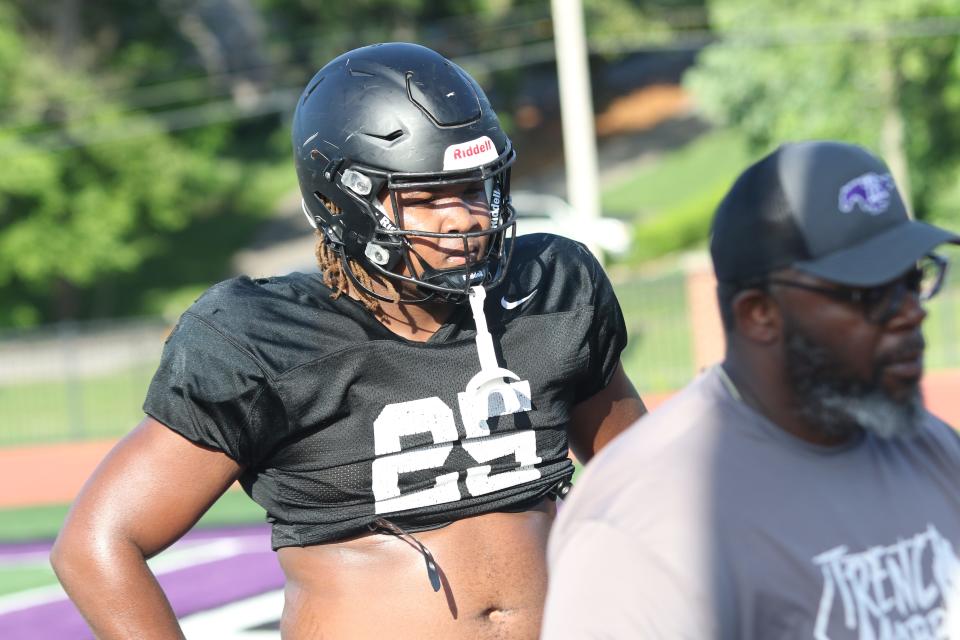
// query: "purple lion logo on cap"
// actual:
[[871, 192]]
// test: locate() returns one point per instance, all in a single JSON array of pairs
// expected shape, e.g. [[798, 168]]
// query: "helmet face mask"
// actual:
[[485, 251], [388, 119]]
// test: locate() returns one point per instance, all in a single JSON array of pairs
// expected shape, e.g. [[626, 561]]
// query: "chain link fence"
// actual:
[[76, 381]]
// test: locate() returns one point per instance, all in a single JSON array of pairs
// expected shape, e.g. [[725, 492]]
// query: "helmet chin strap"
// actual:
[[494, 390], [354, 281], [488, 357], [457, 278]]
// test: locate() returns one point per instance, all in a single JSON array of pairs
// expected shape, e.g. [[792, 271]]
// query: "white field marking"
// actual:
[[16, 560], [181, 552], [195, 552], [179, 556], [230, 622]]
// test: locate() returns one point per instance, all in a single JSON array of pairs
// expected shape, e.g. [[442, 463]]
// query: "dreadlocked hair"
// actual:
[[331, 268]]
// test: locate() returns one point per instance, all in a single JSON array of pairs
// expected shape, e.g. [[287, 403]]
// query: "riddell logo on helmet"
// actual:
[[474, 150], [468, 155]]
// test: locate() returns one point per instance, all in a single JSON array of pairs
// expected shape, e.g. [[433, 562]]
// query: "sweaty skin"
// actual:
[[493, 582]]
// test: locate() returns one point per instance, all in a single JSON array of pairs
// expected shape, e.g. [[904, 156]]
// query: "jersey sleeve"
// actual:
[[608, 334], [214, 393]]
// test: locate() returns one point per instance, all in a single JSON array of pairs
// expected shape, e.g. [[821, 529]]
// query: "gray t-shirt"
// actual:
[[705, 520]]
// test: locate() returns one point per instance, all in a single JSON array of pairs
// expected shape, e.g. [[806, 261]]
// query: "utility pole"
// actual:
[[576, 110]]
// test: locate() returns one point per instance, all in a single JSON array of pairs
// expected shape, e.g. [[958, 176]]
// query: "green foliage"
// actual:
[[867, 72], [671, 201], [316, 30], [661, 186], [685, 226], [657, 21], [137, 156], [93, 190]]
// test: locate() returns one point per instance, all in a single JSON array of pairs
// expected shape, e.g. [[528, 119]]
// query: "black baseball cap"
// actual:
[[829, 209]]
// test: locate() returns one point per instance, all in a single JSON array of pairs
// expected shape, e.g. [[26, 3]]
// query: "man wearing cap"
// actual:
[[799, 489]]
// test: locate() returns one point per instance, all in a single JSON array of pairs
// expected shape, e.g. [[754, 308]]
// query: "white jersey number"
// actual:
[[432, 416]]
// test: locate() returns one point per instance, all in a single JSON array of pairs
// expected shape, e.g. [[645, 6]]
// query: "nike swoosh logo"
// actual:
[[508, 304]]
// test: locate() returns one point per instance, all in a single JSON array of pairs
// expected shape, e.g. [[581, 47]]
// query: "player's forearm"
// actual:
[[115, 590]]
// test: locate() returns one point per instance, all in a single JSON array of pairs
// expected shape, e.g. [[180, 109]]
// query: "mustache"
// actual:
[[911, 347]]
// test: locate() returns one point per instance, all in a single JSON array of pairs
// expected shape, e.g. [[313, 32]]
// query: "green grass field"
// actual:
[[35, 574], [713, 159], [41, 523]]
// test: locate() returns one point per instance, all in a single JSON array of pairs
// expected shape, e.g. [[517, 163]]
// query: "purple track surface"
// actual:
[[190, 589]]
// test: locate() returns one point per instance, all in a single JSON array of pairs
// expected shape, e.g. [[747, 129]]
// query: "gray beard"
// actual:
[[841, 406]]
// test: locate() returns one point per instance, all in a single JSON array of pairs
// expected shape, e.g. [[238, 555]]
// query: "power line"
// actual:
[[772, 37], [213, 85], [131, 128], [282, 99]]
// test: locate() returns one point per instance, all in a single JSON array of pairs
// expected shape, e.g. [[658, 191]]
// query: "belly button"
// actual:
[[495, 614]]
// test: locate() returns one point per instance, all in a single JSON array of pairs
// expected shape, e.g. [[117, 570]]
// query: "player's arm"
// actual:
[[598, 419], [149, 490]]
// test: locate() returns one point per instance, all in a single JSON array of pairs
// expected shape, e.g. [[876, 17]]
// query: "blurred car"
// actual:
[[545, 213]]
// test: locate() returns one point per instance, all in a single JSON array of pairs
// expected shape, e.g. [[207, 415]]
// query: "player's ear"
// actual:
[[757, 316]]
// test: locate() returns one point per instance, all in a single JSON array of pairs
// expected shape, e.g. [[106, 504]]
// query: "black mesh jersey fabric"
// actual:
[[338, 421]]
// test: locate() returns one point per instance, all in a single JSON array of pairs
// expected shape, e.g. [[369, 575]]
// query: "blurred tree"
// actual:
[[85, 192], [641, 22], [131, 130], [883, 74]]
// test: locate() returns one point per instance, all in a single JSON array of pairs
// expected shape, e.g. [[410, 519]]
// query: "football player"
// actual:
[[404, 415]]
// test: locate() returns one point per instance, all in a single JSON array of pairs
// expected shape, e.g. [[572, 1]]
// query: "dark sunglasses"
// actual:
[[881, 303]]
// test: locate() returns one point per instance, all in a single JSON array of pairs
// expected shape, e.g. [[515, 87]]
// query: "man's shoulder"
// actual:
[[660, 456], [939, 441], [940, 429], [653, 483]]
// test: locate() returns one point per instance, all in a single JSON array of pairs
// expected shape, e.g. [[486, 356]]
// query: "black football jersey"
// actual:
[[338, 421]]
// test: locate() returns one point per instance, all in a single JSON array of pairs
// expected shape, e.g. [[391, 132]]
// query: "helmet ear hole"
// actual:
[[328, 203]]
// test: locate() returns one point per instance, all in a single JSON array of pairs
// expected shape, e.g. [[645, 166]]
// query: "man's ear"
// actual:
[[757, 316]]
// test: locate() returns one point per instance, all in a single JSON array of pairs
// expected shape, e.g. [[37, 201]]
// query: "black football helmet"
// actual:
[[399, 116]]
